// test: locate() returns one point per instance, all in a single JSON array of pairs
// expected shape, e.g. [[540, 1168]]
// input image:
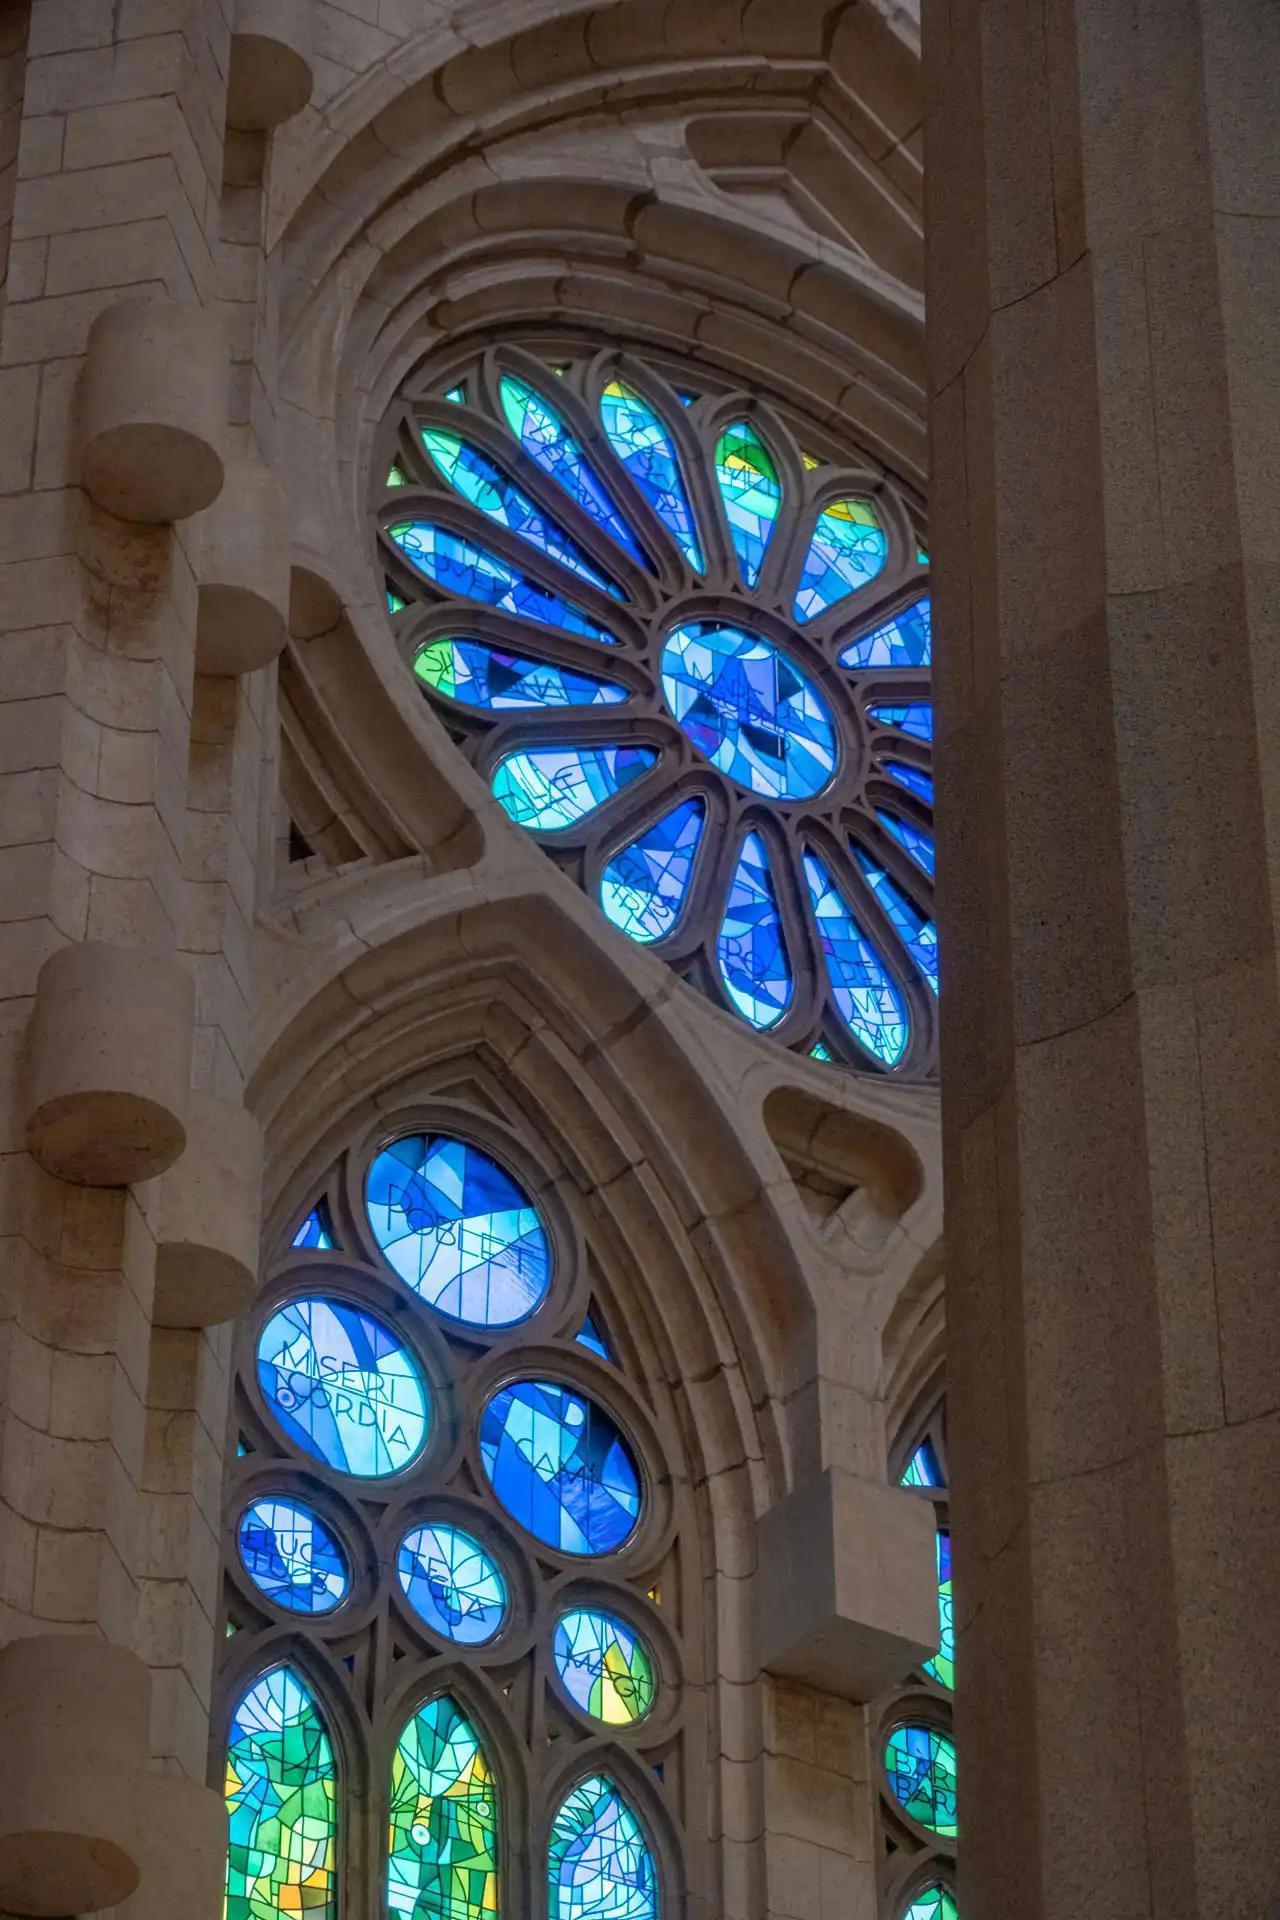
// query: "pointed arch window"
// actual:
[[443, 1853], [601, 1866], [281, 1803]]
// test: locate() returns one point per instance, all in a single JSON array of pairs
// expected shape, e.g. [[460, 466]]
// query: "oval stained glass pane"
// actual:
[[904, 641], [291, 1556], [751, 947], [600, 1866], [452, 1583], [750, 710], [605, 1666], [460, 566], [644, 886], [547, 441], [863, 989], [933, 1903], [342, 1387], [545, 789], [912, 839], [848, 548], [752, 494], [917, 933], [914, 717], [921, 1766], [458, 1229], [442, 1859], [560, 1466], [648, 453], [478, 675], [281, 1805], [942, 1667]]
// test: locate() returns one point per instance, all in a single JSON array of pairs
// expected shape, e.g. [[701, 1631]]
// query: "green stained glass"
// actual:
[[394, 603], [600, 1866], [820, 1052], [752, 494], [942, 1667], [280, 1805], [933, 1903], [604, 1665], [396, 475], [921, 1766], [443, 1854]]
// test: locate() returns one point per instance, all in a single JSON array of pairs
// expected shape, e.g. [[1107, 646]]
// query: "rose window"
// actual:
[[692, 659]]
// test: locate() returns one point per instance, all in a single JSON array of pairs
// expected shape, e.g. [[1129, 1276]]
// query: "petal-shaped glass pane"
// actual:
[[933, 1903], [751, 947], [547, 788], [863, 988], [605, 1666], [904, 641], [749, 709], [560, 1466], [643, 887], [752, 494], [281, 1805], [452, 1583], [316, 1230], [913, 716], [472, 572], [922, 1470], [481, 481], [590, 1335], [921, 1765], [913, 839], [600, 1865], [917, 933], [648, 453], [914, 779], [546, 439], [477, 675], [458, 1230], [942, 1667], [291, 1556], [443, 1855], [342, 1387], [848, 548]]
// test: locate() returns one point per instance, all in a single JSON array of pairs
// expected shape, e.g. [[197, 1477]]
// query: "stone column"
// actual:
[[1104, 307]]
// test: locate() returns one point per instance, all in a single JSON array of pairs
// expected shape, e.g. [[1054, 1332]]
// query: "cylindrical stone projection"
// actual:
[[244, 573], [184, 1852], [207, 1246], [271, 75], [153, 409]]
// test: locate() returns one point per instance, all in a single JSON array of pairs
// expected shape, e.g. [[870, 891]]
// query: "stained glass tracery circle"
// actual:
[[452, 1582], [292, 1556], [343, 1388], [605, 1665], [560, 1466], [749, 709], [920, 1763]]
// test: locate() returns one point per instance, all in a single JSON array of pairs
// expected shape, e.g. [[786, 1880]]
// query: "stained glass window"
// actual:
[[914, 717], [452, 1583], [752, 494], [648, 454], [443, 1861], [590, 1336], [904, 641], [316, 1231], [472, 572], [601, 1865], [913, 778], [560, 1466], [750, 710], [292, 1557], [341, 1387], [848, 548], [549, 788], [864, 991], [605, 1666], [644, 886], [458, 1230], [942, 1667], [933, 1903], [920, 1763], [915, 930], [915, 840], [922, 1469], [280, 1804], [477, 675], [545, 438], [751, 948]]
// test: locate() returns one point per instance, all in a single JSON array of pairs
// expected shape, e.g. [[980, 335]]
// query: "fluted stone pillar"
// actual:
[[1104, 304]]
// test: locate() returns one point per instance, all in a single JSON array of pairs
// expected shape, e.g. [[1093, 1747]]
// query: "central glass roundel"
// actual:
[[750, 710]]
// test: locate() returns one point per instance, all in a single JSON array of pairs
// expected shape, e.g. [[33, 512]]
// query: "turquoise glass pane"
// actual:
[[394, 603], [917, 933], [559, 1465], [605, 1666], [913, 839], [477, 675], [590, 1336], [904, 641], [452, 1583], [481, 481], [848, 548], [914, 717], [864, 990], [933, 1903], [548, 788], [458, 395], [752, 494], [921, 1766], [750, 710], [942, 1667], [646, 450], [546, 439], [922, 1469], [458, 1229], [442, 1859], [819, 1052], [291, 1556], [316, 1231], [600, 1864], [461, 567], [281, 1805], [643, 888], [912, 778], [342, 1387], [751, 948]]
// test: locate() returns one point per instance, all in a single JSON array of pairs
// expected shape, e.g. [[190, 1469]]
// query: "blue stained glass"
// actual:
[[643, 888], [750, 947], [458, 1230], [914, 779], [645, 449], [917, 933], [863, 988], [342, 1387], [752, 494], [904, 641], [590, 1336], [560, 1466], [547, 788], [921, 1766], [481, 481], [600, 1864], [452, 1583], [914, 717], [606, 1667], [546, 439], [316, 1231], [292, 1557], [915, 840], [750, 710], [847, 549], [942, 1667], [477, 675], [922, 1469], [461, 567]]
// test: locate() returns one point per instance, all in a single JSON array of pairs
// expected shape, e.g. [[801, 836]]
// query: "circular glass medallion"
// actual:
[[921, 1765], [458, 1230], [605, 1666], [343, 1388], [450, 1580], [560, 1466], [291, 1556], [750, 710]]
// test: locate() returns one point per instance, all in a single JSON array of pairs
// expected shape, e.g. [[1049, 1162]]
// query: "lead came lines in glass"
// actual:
[[601, 1867], [342, 1387], [281, 1805], [443, 1861], [750, 710], [452, 1583], [560, 1466]]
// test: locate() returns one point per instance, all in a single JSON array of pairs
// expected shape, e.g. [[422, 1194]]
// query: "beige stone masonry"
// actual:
[[244, 573], [271, 76], [207, 1247], [184, 1845], [153, 410]]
